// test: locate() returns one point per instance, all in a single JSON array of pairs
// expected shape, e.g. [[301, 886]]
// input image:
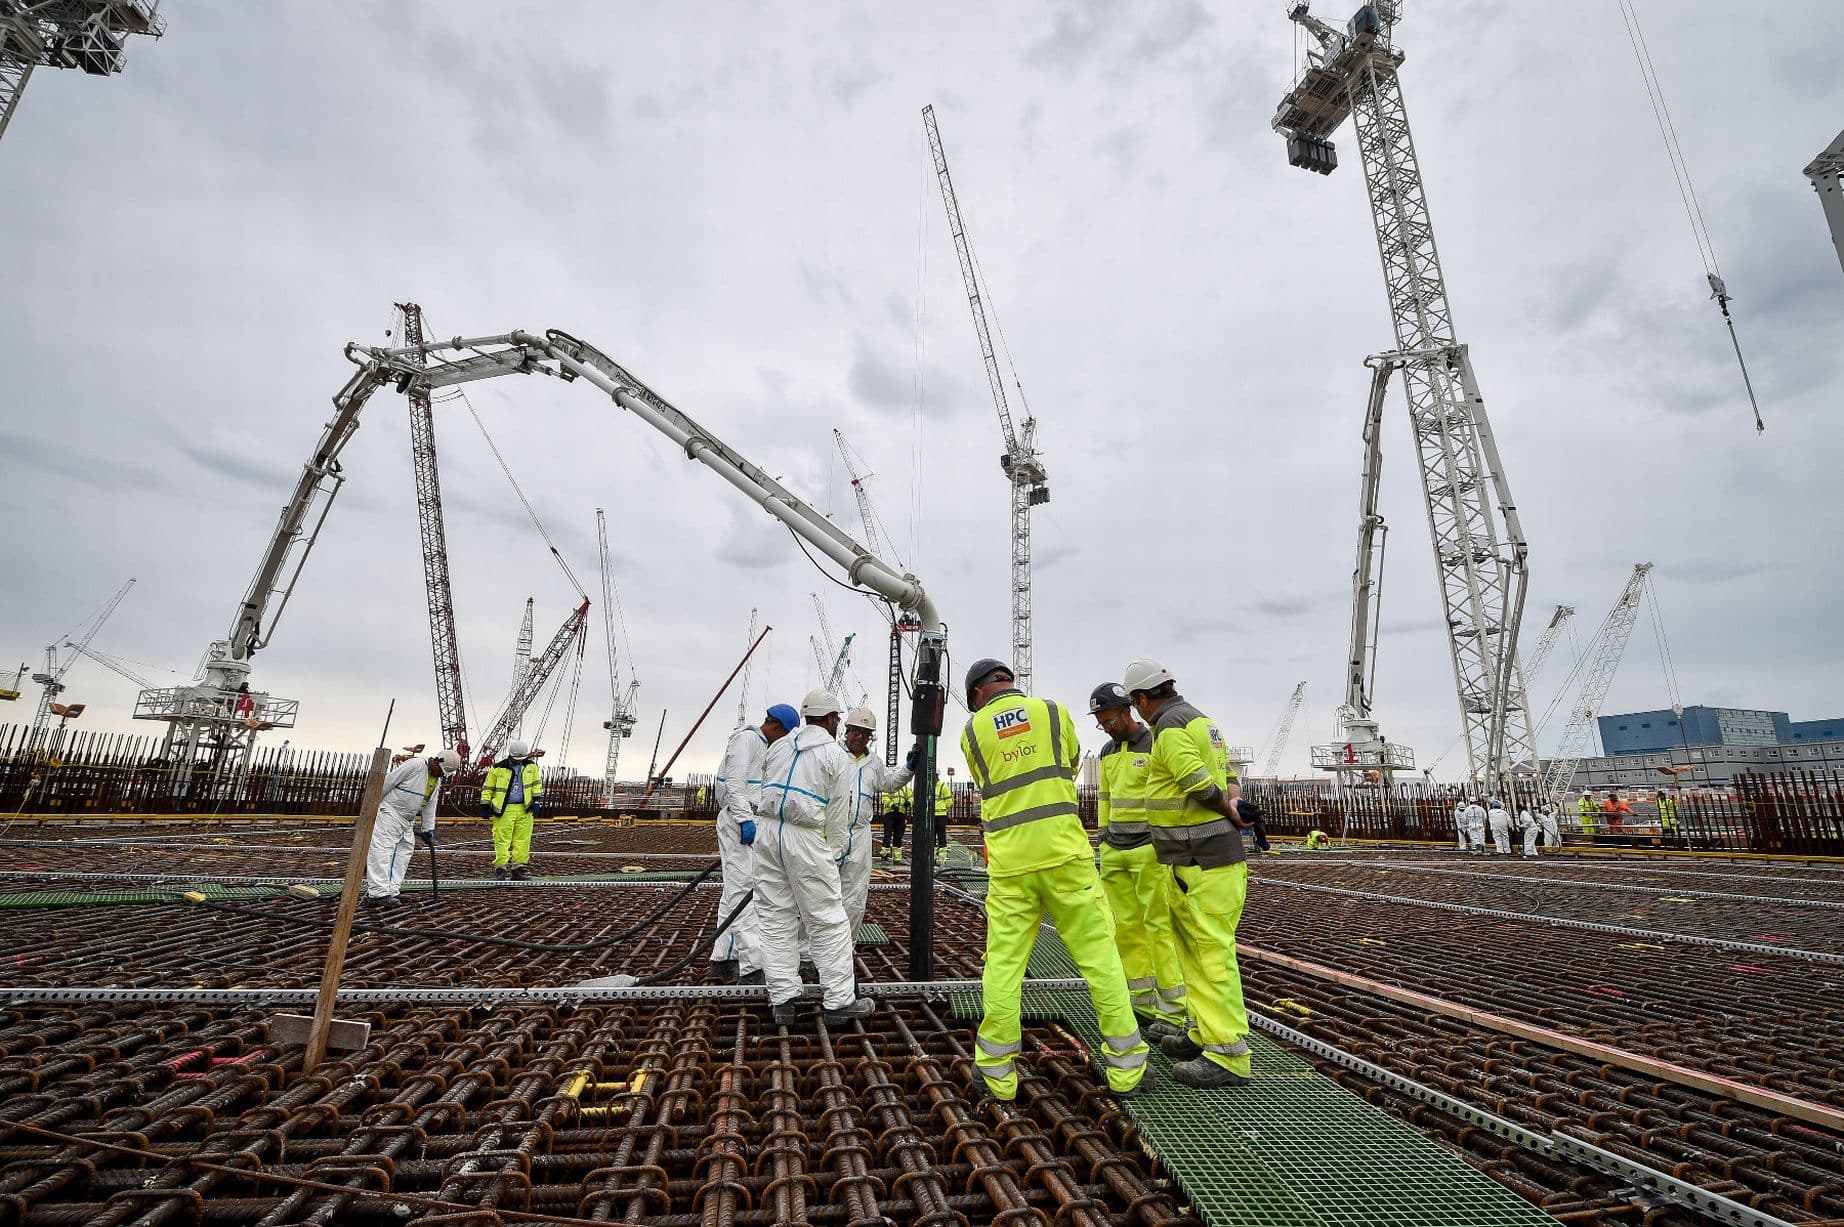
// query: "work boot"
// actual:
[[752, 977], [499, 873], [723, 971], [1206, 1074], [1158, 1030], [863, 1007], [1144, 1085], [784, 1014], [1180, 1047], [519, 873]]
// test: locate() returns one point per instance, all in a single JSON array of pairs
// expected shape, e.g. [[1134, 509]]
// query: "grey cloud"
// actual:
[[1174, 26], [877, 382], [236, 461]]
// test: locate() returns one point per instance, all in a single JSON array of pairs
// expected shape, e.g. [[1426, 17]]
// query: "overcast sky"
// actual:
[[735, 202]]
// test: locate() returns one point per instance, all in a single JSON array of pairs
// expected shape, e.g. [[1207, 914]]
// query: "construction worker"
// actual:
[[1584, 813], [736, 955], [944, 805], [1528, 828], [870, 780], [1475, 826], [1667, 817], [1316, 839], [896, 817], [509, 800], [807, 783], [1197, 835], [412, 788], [1615, 811], [1021, 753], [1459, 821], [1131, 878], [1552, 825], [1500, 821], [703, 796]]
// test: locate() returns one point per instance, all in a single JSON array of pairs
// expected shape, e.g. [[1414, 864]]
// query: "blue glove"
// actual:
[[429, 838], [910, 760], [749, 831]]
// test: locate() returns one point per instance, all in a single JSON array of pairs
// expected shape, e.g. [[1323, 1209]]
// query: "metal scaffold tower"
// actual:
[[450, 702], [1483, 574], [1597, 674], [1023, 467], [85, 34]]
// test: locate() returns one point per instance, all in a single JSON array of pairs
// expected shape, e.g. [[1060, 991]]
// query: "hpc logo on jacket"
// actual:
[[1012, 723]]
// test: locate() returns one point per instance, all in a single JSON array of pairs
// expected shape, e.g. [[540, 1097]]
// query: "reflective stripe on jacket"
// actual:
[[499, 781], [1022, 753], [1120, 806], [1184, 772]]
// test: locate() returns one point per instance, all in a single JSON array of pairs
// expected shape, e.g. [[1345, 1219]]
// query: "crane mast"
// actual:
[[1271, 768], [621, 721], [84, 34], [1597, 675], [1483, 572], [1020, 461], [742, 698], [1827, 175], [450, 704], [521, 657], [51, 680]]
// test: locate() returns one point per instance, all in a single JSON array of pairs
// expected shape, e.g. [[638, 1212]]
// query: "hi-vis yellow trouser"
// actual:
[[1206, 904], [1134, 883]]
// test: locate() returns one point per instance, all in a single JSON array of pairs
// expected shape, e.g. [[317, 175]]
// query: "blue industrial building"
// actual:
[[1718, 743]]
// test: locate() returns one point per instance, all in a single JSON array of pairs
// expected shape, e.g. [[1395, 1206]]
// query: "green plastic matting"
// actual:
[[871, 935], [329, 889], [1293, 1149]]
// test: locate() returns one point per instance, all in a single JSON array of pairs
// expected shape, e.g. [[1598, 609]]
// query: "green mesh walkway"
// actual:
[[1294, 1149], [871, 935], [328, 890]]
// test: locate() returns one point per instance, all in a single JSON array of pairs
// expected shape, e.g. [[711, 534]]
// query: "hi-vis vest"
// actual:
[[498, 783], [1186, 764], [1023, 753], [1120, 806]]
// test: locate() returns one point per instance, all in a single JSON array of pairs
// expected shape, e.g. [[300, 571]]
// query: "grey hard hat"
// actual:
[[1106, 695], [983, 668]]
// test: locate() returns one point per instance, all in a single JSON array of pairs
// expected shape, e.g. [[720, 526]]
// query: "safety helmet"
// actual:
[[450, 760], [785, 715], [983, 668], [820, 703], [861, 718], [518, 749], [1106, 695], [1145, 674]]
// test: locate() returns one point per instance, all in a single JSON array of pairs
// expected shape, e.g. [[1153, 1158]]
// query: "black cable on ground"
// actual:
[[452, 935], [698, 948]]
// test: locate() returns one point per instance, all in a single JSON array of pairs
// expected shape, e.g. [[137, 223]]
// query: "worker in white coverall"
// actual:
[[735, 958], [1459, 822], [1552, 826], [870, 781], [807, 785], [412, 788], [1475, 826], [1500, 819], [1528, 827]]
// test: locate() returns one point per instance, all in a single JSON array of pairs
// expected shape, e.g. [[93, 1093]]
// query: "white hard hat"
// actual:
[[450, 760], [518, 749], [861, 718], [820, 703], [1145, 674]]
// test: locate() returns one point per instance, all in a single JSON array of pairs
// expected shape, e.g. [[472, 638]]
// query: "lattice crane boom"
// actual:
[[521, 654], [108, 662], [866, 517], [1482, 568], [1547, 642], [1598, 669], [51, 681], [1022, 465], [1271, 768], [742, 698], [569, 635], [622, 719]]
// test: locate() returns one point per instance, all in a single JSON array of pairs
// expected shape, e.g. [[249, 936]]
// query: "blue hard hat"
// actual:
[[785, 716]]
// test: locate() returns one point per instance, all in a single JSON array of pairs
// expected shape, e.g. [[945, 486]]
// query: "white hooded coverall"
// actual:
[[410, 789], [807, 784], [1527, 823], [1501, 830], [739, 791], [870, 780], [1475, 826], [1459, 823], [1552, 828]]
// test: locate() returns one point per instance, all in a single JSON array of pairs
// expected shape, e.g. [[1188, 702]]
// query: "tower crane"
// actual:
[[1271, 768], [569, 636], [445, 645], [85, 34], [1827, 175], [622, 718], [1551, 633], [742, 699], [52, 679], [902, 624], [521, 657], [1483, 573], [1603, 659], [108, 662], [1022, 464]]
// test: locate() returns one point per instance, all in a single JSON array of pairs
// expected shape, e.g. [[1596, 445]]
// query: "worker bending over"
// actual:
[[736, 955], [1131, 878], [1317, 839], [509, 800], [413, 787], [807, 784], [1022, 754], [1198, 838], [870, 780]]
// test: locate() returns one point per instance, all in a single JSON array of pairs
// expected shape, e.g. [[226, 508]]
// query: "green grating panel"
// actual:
[[165, 894], [872, 935], [1294, 1149]]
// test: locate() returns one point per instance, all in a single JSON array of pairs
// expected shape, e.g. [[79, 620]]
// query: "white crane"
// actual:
[[1271, 768], [1483, 574], [108, 662], [1022, 465], [742, 698], [521, 658], [902, 624], [52, 679], [1604, 653], [85, 34], [622, 717], [1547, 642], [1826, 172]]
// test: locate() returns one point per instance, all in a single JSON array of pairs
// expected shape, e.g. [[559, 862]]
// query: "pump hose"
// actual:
[[514, 942], [699, 948]]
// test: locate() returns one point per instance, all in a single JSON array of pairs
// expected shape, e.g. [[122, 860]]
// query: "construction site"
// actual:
[[343, 924]]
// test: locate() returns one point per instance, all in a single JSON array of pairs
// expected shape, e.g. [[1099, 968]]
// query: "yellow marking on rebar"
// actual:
[[578, 1081], [1371, 941], [1676, 899], [194, 896], [1640, 946], [1292, 1007]]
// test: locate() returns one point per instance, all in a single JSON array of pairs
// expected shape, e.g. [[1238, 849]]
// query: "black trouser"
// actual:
[[894, 822]]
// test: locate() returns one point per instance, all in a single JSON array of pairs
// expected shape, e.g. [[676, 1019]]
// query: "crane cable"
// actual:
[[1687, 191]]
